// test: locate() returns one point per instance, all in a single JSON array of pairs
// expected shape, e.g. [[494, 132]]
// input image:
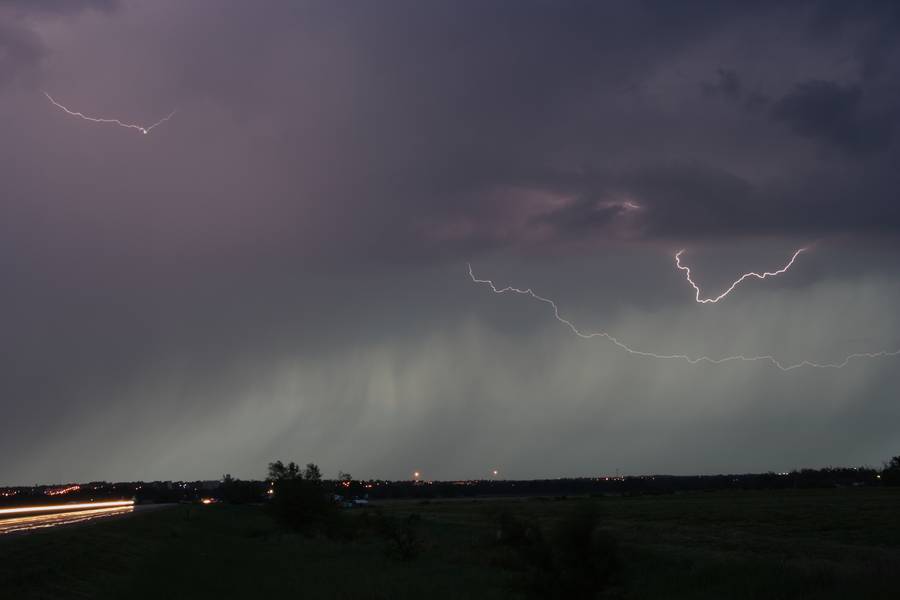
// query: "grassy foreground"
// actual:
[[769, 544]]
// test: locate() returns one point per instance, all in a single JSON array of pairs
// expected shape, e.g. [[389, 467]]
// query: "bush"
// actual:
[[574, 559], [585, 557], [404, 536], [511, 530], [303, 505]]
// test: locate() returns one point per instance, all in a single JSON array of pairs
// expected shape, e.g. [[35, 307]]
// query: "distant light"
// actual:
[[62, 491], [416, 474], [495, 472], [207, 500]]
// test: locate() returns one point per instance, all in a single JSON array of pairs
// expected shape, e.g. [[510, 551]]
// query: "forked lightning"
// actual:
[[711, 300], [141, 128], [769, 359]]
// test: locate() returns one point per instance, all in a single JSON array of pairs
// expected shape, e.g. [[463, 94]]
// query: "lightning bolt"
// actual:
[[711, 300], [689, 359], [141, 128]]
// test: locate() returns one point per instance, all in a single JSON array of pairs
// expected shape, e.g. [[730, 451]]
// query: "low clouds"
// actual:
[[663, 201]]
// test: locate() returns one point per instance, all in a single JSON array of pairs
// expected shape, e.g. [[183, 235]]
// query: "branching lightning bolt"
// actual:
[[141, 128], [711, 300], [690, 359]]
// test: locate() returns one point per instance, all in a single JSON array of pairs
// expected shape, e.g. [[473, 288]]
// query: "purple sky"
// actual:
[[279, 271]]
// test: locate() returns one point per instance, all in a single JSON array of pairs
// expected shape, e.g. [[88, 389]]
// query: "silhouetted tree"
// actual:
[[300, 501], [890, 475], [278, 471], [235, 491], [312, 472]]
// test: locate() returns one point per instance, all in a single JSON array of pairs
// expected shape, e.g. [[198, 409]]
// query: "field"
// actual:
[[838, 543]]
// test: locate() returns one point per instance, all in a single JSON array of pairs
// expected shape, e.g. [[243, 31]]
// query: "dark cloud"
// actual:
[[282, 264], [835, 113], [679, 202], [728, 85], [874, 26], [57, 6], [20, 50], [670, 200]]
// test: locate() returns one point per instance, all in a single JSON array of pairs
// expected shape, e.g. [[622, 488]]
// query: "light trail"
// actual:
[[711, 300], [767, 358], [64, 507], [20, 524], [141, 128], [62, 491]]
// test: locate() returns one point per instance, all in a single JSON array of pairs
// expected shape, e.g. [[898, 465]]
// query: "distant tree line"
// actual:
[[236, 491], [296, 481]]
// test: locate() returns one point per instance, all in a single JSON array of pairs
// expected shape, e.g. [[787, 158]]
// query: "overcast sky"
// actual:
[[279, 271]]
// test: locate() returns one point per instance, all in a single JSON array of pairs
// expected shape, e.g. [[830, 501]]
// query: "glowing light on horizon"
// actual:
[[737, 282], [141, 128], [766, 358], [62, 491]]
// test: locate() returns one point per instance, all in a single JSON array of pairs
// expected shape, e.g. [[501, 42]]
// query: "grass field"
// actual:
[[842, 543]]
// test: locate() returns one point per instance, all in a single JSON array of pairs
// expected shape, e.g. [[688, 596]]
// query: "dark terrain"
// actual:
[[829, 543]]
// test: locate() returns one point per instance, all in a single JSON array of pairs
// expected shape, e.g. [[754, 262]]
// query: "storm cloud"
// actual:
[[280, 270]]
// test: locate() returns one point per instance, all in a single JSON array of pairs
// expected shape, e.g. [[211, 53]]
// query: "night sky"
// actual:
[[280, 270]]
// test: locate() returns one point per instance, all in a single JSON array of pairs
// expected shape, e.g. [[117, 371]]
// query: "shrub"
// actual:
[[511, 530], [573, 559], [404, 536], [303, 505]]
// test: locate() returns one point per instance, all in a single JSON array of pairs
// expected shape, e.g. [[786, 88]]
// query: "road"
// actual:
[[38, 522]]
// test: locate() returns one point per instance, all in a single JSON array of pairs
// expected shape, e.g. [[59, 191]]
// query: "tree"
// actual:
[[235, 491], [300, 501], [278, 471], [890, 475], [312, 472]]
